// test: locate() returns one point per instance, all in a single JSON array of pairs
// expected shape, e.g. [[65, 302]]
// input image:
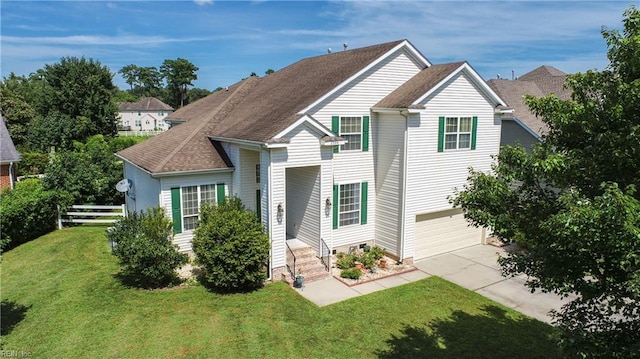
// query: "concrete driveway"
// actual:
[[475, 268]]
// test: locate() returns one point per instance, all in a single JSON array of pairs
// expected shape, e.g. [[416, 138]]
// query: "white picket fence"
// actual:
[[80, 213], [139, 133]]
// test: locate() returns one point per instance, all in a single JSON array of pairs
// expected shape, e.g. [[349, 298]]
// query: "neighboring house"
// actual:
[[523, 126], [352, 147], [9, 156], [148, 114]]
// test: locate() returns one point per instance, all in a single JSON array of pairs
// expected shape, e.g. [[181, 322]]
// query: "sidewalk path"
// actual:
[[474, 268]]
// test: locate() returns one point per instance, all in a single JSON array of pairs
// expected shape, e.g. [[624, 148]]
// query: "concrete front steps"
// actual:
[[307, 264]]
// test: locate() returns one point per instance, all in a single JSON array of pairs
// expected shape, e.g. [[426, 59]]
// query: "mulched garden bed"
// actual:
[[392, 268]]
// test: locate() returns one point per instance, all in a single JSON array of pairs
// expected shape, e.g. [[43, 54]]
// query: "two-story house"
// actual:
[[352, 147], [148, 114]]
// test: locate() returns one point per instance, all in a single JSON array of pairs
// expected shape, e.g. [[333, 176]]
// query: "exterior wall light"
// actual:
[[280, 212]]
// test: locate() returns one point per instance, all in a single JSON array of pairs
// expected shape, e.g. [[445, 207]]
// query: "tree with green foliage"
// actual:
[[572, 204], [130, 74], [87, 174], [195, 94], [179, 74], [28, 211], [80, 91], [143, 244], [16, 111], [232, 246]]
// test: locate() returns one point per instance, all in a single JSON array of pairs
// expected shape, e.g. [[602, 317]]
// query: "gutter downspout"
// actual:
[[11, 177], [270, 215], [404, 184]]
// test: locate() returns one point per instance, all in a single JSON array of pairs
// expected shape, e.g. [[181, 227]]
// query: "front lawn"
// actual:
[[60, 298]]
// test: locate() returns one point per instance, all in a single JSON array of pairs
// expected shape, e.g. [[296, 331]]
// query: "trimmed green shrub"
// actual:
[[351, 273], [143, 245], [377, 252], [367, 260], [232, 246], [346, 261], [28, 211]]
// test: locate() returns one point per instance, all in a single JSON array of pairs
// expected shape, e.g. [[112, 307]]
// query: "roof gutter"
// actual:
[[276, 144], [192, 172], [403, 110], [176, 173]]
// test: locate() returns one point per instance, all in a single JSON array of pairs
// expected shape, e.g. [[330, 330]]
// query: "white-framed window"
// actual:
[[457, 133], [138, 123], [351, 130], [349, 207], [192, 199]]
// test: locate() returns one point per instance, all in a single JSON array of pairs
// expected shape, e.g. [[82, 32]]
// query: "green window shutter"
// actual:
[[258, 205], [335, 128], [176, 213], [220, 192], [336, 206], [365, 133], [364, 194], [441, 134], [474, 131]]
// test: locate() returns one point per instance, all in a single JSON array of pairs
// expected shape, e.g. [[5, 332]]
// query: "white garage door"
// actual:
[[441, 232]]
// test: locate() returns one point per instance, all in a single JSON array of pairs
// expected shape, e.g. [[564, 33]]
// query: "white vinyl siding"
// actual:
[[145, 191], [246, 170], [432, 175], [183, 240], [389, 132], [303, 204], [303, 151], [357, 99]]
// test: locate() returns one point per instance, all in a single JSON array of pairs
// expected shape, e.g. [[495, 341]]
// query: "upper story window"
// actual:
[[457, 133], [351, 130], [354, 129]]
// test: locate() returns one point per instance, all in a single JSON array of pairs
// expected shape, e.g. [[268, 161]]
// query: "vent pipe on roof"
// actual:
[[328, 50], [345, 46]]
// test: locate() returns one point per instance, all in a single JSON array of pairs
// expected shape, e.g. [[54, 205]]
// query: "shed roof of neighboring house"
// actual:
[[254, 109], [540, 82], [145, 104], [8, 152]]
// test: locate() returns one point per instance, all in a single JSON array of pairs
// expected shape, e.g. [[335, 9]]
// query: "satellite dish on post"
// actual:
[[124, 185]]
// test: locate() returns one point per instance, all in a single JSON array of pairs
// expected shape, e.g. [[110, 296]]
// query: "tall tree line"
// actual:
[[178, 75]]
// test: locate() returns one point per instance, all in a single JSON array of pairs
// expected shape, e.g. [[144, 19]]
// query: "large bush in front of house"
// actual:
[[143, 244], [27, 212], [232, 246]]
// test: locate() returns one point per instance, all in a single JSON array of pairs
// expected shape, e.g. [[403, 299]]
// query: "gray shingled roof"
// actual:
[[255, 109], [540, 82], [145, 104], [8, 152], [421, 83]]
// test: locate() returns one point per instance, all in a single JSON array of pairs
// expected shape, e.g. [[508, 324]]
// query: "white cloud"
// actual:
[[203, 2]]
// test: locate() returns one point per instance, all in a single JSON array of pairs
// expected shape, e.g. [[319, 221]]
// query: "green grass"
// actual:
[[60, 299]]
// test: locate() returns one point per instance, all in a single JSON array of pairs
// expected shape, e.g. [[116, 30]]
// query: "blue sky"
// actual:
[[228, 40]]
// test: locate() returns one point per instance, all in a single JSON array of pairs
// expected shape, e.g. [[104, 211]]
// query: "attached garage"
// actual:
[[444, 231]]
